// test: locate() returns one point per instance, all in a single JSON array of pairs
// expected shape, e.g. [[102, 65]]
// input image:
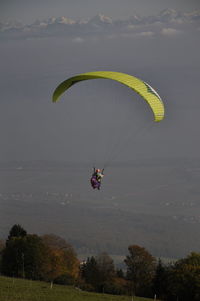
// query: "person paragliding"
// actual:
[[139, 86], [96, 178]]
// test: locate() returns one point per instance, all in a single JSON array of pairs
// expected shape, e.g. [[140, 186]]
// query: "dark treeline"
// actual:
[[51, 258]]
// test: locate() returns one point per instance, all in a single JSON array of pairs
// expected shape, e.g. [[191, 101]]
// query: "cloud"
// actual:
[[170, 31], [78, 40], [169, 22], [136, 35], [145, 34]]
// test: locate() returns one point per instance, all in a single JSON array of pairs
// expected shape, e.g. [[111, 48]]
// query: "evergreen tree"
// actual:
[[159, 283], [99, 272], [16, 231], [90, 273], [120, 273], [25, 257]]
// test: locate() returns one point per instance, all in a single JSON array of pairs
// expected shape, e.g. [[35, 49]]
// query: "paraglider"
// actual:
[[142, 88], [136, 84], [96, 178]]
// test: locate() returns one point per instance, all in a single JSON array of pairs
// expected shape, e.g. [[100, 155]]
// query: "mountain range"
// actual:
[[99, 24]]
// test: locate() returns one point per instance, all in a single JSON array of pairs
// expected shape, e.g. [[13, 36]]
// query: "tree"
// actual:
[[140, 269], [16, 231], [184, 279], [106, 271], [25, 256], [99, 272], [120, 273], [55, 242], [12, 254], [160, 280], [63, 263], [89, 272], [2, 246]]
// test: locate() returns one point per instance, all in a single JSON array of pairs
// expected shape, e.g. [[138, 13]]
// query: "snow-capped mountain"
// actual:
[[100, 20], [98, 24]]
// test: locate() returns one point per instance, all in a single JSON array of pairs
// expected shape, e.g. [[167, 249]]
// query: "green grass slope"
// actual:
[[12, 289]]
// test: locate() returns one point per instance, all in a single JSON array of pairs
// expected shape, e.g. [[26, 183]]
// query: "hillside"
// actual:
[[12, 289]]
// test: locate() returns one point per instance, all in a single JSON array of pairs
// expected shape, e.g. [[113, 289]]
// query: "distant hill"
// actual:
[[151, 202]]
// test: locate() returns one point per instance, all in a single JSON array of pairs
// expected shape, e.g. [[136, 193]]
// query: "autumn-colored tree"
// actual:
[[120, 286], [55, 242], [140, 269], [63, 260]]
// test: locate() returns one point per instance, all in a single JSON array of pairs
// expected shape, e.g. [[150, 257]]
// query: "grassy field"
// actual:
[[12, 289]]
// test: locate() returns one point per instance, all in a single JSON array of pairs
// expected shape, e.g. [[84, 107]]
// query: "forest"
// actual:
[[52, 259]]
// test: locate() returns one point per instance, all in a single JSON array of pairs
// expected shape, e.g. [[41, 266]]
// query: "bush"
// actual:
[[65, 279]]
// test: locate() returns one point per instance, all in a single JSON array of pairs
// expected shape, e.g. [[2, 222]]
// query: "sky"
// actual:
[[27, 10], [35, 58]]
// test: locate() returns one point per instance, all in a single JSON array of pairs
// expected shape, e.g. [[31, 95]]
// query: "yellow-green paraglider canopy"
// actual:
[[136, 84]]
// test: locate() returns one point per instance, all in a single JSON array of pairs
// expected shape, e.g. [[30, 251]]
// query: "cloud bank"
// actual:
[[168, 22], [170, 31]]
